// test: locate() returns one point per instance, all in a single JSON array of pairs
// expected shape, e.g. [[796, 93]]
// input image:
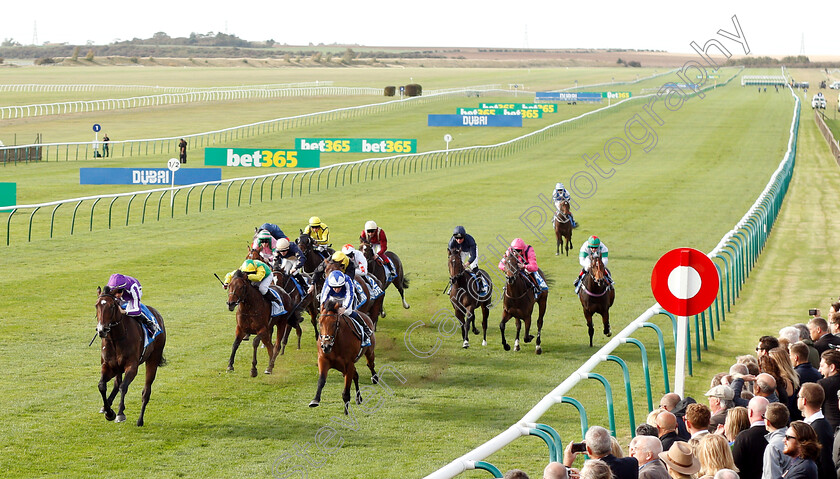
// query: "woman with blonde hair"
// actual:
[[782, 358], [737, 420], [714, 454]]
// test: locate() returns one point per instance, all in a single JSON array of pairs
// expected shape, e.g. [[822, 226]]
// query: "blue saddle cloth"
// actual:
[[359, 298], [375, 291], [147, 335], [277, 307]]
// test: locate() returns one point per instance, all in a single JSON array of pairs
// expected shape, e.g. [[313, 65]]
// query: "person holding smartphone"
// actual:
[[598, 445]]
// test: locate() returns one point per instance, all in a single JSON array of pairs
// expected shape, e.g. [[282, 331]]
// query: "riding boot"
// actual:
[[367, 334], [150, 325]]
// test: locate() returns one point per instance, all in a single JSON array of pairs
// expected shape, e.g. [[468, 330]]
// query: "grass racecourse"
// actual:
[[712, 158]]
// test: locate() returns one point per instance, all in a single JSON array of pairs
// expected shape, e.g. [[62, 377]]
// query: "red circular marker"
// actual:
[[680, 297]]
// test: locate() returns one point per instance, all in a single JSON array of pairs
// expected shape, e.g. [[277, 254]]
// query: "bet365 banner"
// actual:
[[356, 145], [147, 176], [258, 158], [544, 107], [475, 120], [500, 111], [8, 194]]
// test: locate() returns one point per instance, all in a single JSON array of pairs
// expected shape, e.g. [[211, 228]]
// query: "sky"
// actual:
[[770, 27]]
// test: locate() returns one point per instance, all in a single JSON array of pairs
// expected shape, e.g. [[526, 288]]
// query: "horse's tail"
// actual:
[[548, 281], [405, 281]]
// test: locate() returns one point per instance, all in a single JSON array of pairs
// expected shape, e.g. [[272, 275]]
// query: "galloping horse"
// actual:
[[372, 307], [307, 302], [378, 270], [596, 295], [313, 258], [519, 303], [123, 353], [465, 296], [563, 227], [258, 255], [254, 317], [339, 349]]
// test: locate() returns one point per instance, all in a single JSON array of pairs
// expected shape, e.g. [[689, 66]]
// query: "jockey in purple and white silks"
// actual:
[[129, 291], [593, 245], [560, 194], [339, 286]]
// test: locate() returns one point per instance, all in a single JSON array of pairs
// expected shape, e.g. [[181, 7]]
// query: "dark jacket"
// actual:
[[821, 344], [468, 246], [825, 436], [830, 410], [807, 373], [679, 411], [800, 469], [668, 440], [813, 355], [622, 467], [748, 452]]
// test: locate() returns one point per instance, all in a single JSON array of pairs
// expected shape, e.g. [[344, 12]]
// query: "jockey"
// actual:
[[339, 287], [290, 252], [260, 275], [357, 257], [266, 244], [592, 245], [272, 228], [560, 194], [129, 291], [469, 254], [376, 237], [319, 232], [344, 264], [528, 259]]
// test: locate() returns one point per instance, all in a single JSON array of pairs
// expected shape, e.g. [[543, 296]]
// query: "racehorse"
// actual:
[[596, 295], [123, 353], [339, 349], [563, 227], [377, 269], [519, 303], [256, 254], [259, 256], [307, 302], [254, 317], [465, 296], [371, 307], [313, 257]]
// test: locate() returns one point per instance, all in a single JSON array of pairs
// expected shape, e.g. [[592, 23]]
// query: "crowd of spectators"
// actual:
[[772, 415]]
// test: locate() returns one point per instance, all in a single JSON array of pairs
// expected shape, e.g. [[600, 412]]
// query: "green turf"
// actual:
[[712, 159]]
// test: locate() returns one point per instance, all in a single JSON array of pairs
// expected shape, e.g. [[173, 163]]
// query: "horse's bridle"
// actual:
[[512, 279], [106, 329], [328, 341], [234, 304]]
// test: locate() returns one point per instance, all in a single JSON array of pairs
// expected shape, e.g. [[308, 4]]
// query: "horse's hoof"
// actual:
[[539, 350], [102, 410], [484, 342], [506, 346], [475, 330], [230, 369], [516, 345], [139, 422], [556, 254], [358, 398], [254, 373], [110, 415], [120, 418], [314, 403], [374, 379], [466, 344], [267, 371], [607, 333], [382, 314], [529, 338]]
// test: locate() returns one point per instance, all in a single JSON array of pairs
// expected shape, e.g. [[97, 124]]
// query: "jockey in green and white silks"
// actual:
[[560, 194], [592, 245]]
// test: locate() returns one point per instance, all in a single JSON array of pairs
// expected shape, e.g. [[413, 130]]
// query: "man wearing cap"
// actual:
[[748, 450], [680, 458], [592, 247], [320, 234], [560, 195], [720, 401]]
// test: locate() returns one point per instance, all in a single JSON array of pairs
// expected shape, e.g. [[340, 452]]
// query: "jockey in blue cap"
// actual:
[[339, 286], [560, 194]]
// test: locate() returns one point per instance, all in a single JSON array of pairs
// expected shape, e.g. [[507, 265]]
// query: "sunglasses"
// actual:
[[790, 438], [371, 231], [459, 237]]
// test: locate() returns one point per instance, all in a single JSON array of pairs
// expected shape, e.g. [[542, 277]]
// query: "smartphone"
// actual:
[[813, 312], [578, 447]]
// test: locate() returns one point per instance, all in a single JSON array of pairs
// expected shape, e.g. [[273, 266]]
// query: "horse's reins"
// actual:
[[510, 281]]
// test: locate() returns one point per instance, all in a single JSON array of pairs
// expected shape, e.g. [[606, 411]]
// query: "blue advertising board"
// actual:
[[147, 176], [475, 120]]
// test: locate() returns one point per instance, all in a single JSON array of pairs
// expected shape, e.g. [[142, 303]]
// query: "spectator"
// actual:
[[679, 411], [697, 422], [646, 450], [830, 369], [717, 380], [765, 386], [804, 370], [751, 362], [596, 469], [182, 151], [555, 470], [769, 366], [765, 344], [811, 399], [651, 418], [666, 423], [670, 402], [615, 447], [598, 446], [105, 145], [802, 446], [681, 462], [736, 421], [720, 401], [516, 474], [818, 328], [646, 429], [775, 461], [789, 334], [805, 337], [726, 474], [788, 373], [714, 454], [748, 450]]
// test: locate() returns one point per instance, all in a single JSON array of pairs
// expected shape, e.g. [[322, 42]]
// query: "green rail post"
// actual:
[[128, 209], [52, 218], [627, 390], [486, 466], [91, 213], [160, 202], [729, 265], [645, 367], [584, 422], [549, 441], [110, 209], [9, 224], [608, 390], [172, 205], [663, 357], [558, 443], [30, 222]]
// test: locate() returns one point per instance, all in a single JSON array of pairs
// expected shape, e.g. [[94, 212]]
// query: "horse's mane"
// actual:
[[239, 274], [107, 291], [332, 305]]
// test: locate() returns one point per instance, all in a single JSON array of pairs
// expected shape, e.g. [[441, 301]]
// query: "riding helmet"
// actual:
[[342, 258], [264, 235], [594, 242], [518, 243], [347, 249], [336, 279], [558, 186], [370, 225], [459, 231], [283, 244], [314, 221]]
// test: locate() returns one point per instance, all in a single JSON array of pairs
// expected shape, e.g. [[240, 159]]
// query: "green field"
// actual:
[[712, 159]]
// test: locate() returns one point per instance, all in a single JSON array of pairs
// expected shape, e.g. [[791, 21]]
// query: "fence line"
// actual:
[[828, 135], [737, 252], [393, 165], [67, 151], [38, 87]]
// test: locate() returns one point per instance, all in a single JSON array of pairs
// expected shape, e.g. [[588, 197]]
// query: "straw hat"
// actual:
[[681, 458]]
